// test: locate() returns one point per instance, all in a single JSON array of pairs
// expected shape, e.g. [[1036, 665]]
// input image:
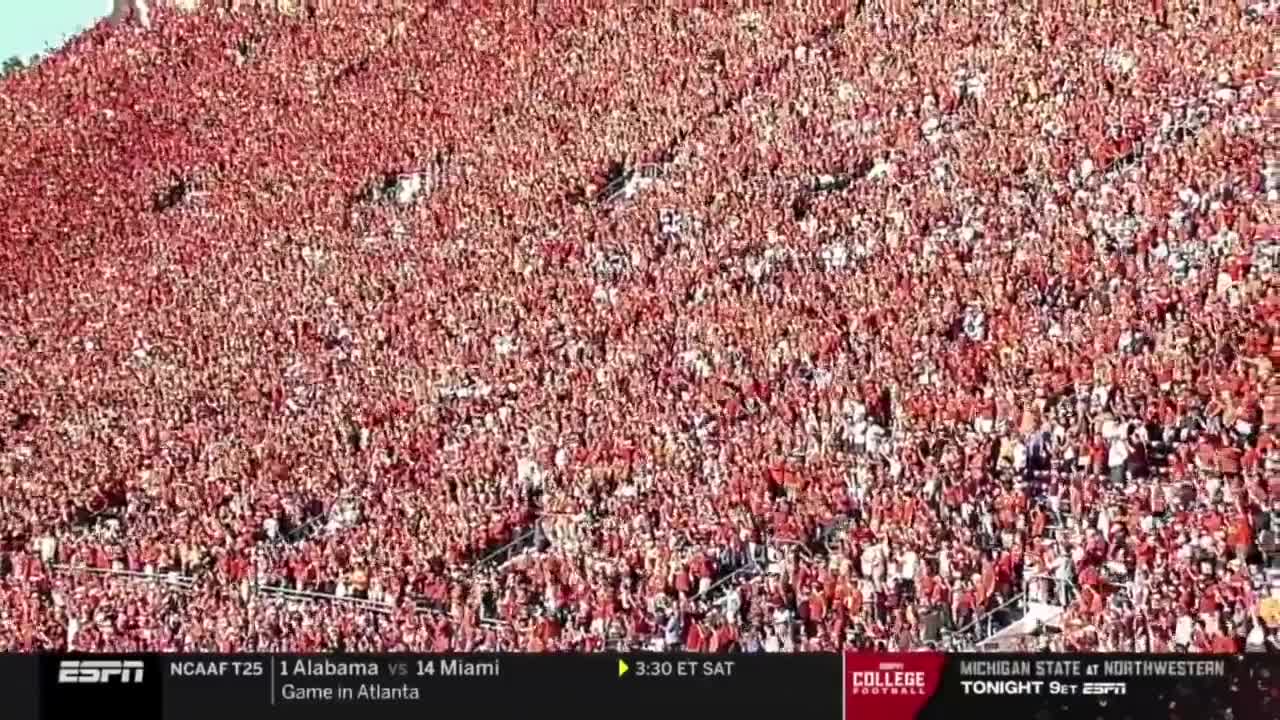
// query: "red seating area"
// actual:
[[659, 324]]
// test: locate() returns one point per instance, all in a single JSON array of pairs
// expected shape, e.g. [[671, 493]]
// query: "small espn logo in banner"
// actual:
[[1104, 688], [100, 672]]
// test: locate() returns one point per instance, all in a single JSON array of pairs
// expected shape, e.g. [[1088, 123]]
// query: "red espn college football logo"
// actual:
[[890, 686]]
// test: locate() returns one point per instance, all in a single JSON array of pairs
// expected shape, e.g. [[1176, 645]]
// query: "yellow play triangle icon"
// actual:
[[622, 667]]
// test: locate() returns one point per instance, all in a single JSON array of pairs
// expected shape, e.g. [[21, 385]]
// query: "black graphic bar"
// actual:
[[324, 687], [911, 686]]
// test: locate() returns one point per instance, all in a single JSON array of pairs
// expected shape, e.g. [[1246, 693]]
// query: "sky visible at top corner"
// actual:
[[28, 27]]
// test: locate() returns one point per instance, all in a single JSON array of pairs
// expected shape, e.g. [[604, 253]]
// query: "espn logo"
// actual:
[[98, 672], [1101, 688]]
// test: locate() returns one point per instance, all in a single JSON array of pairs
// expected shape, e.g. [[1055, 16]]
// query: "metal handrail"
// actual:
[[283, 591], [1070, 585], [519, 542], [648, 171], [989, 615], [420, 608], [178, 580], [752, 567], [797, 544]]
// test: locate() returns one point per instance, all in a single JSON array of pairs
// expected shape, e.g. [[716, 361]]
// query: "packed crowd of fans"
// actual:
[[645, 324]]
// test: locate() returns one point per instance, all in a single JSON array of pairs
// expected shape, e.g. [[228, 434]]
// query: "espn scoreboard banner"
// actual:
[[909, 686]]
